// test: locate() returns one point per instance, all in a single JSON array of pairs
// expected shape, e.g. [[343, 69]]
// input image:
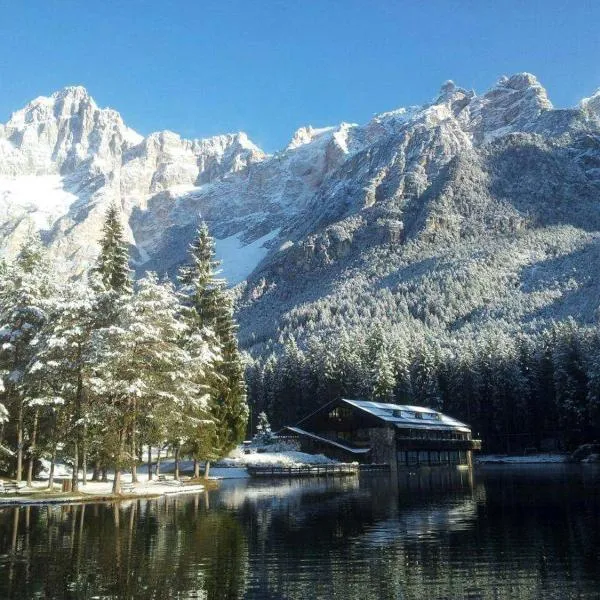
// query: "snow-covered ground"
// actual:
[[286, 458], [143, 487], [521, 460]]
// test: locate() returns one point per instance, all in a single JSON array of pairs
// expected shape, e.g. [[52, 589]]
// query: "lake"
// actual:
[[498, 533]]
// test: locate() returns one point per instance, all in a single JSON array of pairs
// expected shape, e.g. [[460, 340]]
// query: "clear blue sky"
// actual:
[[202, 67]]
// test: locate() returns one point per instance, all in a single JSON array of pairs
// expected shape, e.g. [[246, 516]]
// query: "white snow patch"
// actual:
[[239, 260], [288, 458], [42, 197]]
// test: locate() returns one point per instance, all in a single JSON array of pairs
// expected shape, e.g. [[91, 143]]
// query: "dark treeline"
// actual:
[[537, 390]]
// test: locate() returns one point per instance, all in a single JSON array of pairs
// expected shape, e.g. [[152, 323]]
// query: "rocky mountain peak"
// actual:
[[61, 132], [361, 177], [511, 105], [592, 104]]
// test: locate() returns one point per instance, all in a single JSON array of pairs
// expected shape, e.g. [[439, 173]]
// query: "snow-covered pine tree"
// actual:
[[263, 429], [112, 282], [63, 367], [146, 371], [113, 261], [209, 307], [382, 379], [25, 298]]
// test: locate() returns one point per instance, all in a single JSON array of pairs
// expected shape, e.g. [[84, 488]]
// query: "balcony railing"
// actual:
[[408, 443]]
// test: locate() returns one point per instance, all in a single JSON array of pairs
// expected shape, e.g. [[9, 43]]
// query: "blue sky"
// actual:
[[203, 67]]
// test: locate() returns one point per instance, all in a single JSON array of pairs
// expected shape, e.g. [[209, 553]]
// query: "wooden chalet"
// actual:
[[381, 433]]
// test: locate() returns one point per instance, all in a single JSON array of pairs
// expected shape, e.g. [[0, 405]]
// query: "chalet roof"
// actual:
[[328, 441], [404, 415]]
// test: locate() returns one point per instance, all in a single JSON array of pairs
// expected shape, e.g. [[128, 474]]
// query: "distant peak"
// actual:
[[305, 135], [592, 103], [447, 87], [71, 91], [520, 81]]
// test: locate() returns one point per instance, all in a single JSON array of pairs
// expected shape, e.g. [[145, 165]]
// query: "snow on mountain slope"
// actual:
[[31, 201], [240, 259], [308, 220]]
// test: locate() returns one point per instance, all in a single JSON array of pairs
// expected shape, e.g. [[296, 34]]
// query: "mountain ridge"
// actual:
[[460, 170]]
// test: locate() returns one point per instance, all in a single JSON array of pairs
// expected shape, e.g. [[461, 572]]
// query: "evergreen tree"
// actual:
[[63, 368], [25, 301], [263, 429], [209, 307], [113, 261]]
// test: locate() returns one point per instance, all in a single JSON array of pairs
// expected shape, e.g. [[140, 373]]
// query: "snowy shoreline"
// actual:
[[98, 491]]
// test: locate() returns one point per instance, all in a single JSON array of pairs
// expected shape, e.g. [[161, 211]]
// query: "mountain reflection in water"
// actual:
[[433, 534]]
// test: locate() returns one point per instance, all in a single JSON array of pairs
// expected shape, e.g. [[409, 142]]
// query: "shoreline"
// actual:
[[30, 497]]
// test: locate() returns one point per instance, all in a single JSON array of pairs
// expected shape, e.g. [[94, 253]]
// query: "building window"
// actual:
[[339, 413], [428, 416], [412, 458]]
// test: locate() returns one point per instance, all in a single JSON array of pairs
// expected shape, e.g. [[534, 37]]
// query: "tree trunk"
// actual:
[[52, 463], [207, 469], [104, 475], [116, 489], [134, 477], [149, 462], [75, 474], [196, 468], [84, 455], [32, 449], [177, 449], [20, 442], [158, 463], [96, 471], [77, 431]]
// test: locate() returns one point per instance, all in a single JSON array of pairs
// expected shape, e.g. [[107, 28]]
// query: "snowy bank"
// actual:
[[95, 491], [285, 458]]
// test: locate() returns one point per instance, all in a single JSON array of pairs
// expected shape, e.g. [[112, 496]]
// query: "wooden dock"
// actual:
[[326, 470]]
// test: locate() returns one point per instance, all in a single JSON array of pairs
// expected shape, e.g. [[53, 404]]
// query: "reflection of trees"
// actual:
[[141, 549], [427, 535]]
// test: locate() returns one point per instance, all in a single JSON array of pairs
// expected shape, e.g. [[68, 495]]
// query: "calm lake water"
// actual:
[[496, 533]]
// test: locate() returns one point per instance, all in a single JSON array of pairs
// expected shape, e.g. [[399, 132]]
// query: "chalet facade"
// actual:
[[376, 432]]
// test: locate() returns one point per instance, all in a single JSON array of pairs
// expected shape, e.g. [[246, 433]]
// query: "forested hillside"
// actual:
[[463, 234], [465, 281]]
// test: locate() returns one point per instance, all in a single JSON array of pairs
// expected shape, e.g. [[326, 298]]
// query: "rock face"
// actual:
[[63, 159], [435, 191]]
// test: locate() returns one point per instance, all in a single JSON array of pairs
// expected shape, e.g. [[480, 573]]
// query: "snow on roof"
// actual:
[[404, 414], [328, 441]]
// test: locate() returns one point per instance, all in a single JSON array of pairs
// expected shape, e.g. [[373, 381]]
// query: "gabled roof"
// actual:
[[328, 441], [406, 415]]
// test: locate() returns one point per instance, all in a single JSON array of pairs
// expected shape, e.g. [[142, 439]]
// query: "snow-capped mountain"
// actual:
[[344, 211]]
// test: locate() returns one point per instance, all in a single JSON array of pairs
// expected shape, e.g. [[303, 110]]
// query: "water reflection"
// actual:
[[170, 548], [434, 534]]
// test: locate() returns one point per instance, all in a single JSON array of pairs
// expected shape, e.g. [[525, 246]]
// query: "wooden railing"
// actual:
[[406, 443], [326, 470]]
